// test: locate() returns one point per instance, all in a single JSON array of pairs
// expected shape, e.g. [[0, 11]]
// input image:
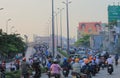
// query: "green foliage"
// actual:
[[62, 52], [11, 44], [85, 41], [14, 74]]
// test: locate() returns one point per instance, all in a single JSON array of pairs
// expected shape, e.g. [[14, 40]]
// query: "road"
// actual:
[[104, 74], [101, 74]]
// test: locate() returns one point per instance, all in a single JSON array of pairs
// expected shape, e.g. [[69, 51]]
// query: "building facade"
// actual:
[[88, 28]]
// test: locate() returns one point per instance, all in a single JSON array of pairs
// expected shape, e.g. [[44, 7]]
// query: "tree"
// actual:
[[11, 44], [85, 41]]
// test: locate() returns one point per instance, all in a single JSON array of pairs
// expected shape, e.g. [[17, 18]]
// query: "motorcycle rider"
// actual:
[[116, 59], [17, 64], [93, 65], [49, 64], [48, 67], [55, 69], [76, 67], [25, 68], [66, 67], [36, 66], [102, 61], [110, 62], [97, 63], [86, 69]]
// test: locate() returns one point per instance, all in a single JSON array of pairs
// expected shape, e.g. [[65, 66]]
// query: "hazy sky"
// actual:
[[31, 16]]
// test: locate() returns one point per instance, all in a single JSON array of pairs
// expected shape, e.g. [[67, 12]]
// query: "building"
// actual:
[[113, 13], [85, 28]]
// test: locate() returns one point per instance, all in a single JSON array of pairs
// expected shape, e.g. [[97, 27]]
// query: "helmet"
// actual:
[[86, 61], [35, 58], [24, 59], [65, 59], [110, 56], [55, 60], [76, 60]]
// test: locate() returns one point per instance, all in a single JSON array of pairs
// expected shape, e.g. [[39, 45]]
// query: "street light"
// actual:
[[7, 25], [11, 29], [1, 8], [67, 16], [56, 14], [53, 47], [60, 10]]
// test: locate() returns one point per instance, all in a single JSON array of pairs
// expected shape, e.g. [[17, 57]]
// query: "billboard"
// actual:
[[113, 13]]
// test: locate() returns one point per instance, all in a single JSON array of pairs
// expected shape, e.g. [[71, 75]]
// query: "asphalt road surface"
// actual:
[[101, 74]]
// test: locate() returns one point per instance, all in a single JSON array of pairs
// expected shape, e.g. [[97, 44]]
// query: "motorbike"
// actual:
[[48, 73], [97, 69], [116, 62], [93, 70], [55, 75], [75, 75], [2, 74], [102, 65], [110, 69], [65, 72], [25, 75], [52, 75]]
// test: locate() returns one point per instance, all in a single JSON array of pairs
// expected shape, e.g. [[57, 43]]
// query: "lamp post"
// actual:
[[67, 16], [11, 29], [7, 25], [56, 14], [60, 10], [1, 8], [53, 43]]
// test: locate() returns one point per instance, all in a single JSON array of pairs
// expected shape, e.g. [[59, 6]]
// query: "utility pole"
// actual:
[[7, 25], [56, 14], [60, 10], [53, 43], [67, 16]]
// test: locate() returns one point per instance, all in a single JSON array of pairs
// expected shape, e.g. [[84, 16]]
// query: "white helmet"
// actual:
[[35, 58], [55, 60]]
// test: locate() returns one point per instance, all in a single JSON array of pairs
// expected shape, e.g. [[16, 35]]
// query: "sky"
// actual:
[[29, 17]]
